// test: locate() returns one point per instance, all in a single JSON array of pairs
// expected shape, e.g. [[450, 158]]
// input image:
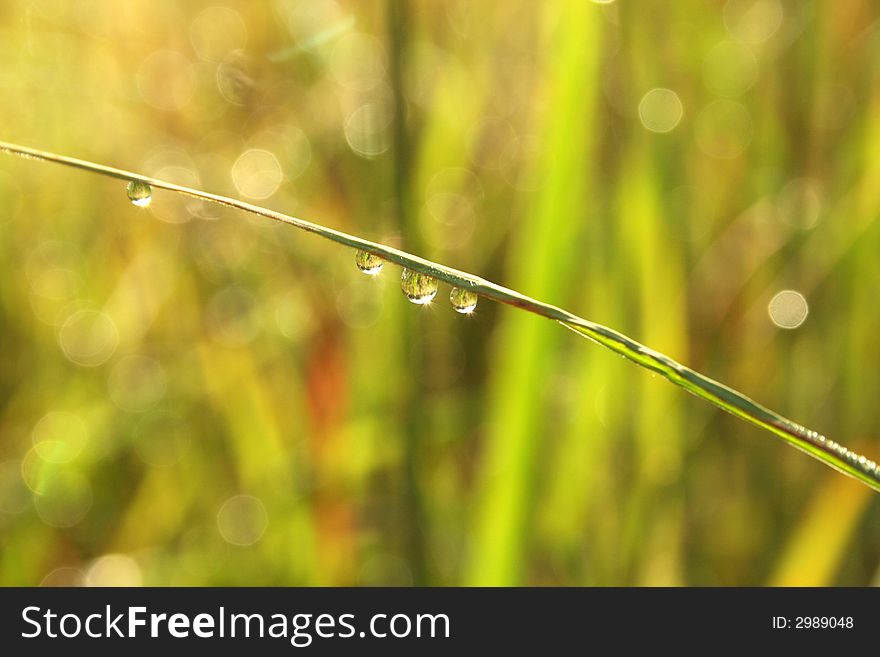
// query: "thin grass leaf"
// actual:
[[816, 445]]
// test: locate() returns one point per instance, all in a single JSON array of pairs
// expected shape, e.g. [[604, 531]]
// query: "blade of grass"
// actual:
[[818, 545], [653, 513], [825, 450], [414, 425], [542, 258]]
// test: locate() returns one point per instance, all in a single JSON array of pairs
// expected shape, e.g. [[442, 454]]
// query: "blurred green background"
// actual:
[[193, 396]]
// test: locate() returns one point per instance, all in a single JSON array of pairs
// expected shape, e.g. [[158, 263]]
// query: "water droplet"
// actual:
[[418, 288], [463, 301], [367, 262], [139, 193]]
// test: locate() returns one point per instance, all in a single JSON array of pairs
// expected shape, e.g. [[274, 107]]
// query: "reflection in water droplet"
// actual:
[[139, 193], [418, 288], [463, 301], [367, 262]]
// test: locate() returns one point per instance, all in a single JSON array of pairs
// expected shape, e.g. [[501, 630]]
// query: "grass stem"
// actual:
[[827, 451]]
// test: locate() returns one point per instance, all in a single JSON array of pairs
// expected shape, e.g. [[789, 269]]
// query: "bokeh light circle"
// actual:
[[88, 337], [64, 576], [660, 110], [257, 173], [242, 520], [59, 436], [114, 570], [788, 309]]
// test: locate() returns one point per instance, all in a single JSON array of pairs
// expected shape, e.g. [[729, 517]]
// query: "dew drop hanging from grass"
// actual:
[[463, 301], [418, 288], [139, 193], [367, 262]]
